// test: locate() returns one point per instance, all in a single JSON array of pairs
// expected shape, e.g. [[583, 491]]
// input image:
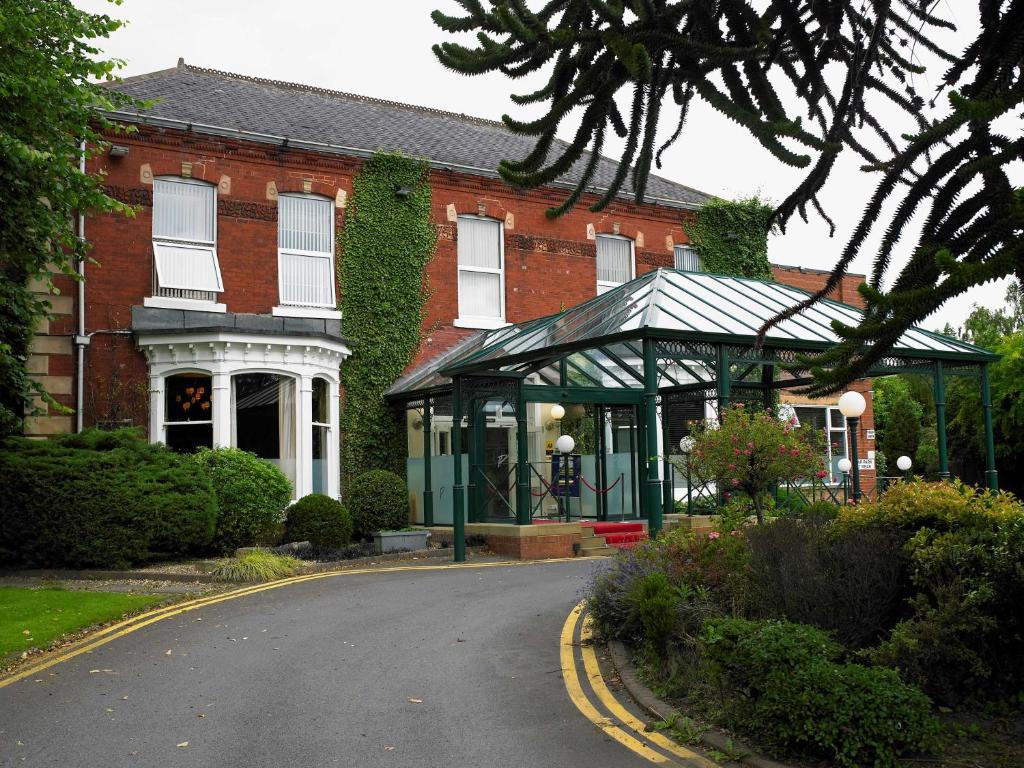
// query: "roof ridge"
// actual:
[[331, 92]]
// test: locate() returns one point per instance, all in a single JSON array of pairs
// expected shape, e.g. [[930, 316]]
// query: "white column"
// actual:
[[156, 409], [221, 410], [304, 438], [333, 441]]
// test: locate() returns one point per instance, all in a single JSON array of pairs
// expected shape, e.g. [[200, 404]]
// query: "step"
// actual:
[[632, 537], [603, 528], [598, 551]]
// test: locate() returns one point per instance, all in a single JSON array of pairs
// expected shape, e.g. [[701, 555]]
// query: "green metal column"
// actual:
[[522, 459], [722, 381], [458, 503], [991, 476], [428, 491], [768, 393], [653, 484], [602, 461], [940, 418], [476, 485]]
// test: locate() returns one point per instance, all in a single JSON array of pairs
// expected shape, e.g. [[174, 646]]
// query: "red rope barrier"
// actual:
[[600, 490]]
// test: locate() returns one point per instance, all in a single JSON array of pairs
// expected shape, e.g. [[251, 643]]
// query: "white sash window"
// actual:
[[614, 262], [687, 259], [481, 273], [305, 241], [185, 239]]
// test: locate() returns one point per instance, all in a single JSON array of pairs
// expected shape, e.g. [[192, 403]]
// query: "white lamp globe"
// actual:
[[686, 444], [844, 465], [557, 412], [904, 463], [852, 404], [565, 444]]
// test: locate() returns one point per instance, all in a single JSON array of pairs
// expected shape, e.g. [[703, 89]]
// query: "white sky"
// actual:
[[382, 49]]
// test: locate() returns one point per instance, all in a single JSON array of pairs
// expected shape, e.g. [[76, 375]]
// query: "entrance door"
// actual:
[[497, 471]]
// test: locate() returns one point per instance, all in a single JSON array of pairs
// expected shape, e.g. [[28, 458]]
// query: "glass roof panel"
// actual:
[[688, 305]]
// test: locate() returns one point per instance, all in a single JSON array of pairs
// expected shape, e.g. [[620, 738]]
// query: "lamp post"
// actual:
[[904, 463], [565, 444], [686, 446], [843, 465], [852, 405]]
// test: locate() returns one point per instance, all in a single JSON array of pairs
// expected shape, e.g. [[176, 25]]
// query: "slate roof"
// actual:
[[209, 98]]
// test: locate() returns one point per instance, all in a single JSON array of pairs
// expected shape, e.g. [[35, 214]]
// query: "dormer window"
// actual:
[[186, 270]]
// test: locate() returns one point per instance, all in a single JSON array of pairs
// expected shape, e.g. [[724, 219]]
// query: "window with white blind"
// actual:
[[481, 273], [305, 242], [614, 262], [687, 259], [185, 239]]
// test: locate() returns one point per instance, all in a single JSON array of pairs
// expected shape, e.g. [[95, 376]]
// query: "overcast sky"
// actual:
[[382, 49]]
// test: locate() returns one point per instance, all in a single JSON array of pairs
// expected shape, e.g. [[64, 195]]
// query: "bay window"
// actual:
[[188, 414], [481, 270]]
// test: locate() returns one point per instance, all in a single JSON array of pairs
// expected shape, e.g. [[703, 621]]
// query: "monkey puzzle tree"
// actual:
[[764, 65]]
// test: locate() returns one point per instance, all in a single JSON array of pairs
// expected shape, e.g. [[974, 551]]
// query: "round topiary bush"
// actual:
[[320, 520], [252, 496], [379, 501]]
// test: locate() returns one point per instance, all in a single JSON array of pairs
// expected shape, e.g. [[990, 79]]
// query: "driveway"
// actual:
[[455, 667]]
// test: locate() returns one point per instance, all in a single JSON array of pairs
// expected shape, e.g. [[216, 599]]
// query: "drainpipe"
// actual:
[[81, 339]]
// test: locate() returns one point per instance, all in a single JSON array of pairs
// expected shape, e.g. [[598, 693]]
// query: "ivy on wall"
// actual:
[[731, 237], [386, 243]]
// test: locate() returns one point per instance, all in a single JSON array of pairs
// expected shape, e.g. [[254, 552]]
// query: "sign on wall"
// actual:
[[865, 463]]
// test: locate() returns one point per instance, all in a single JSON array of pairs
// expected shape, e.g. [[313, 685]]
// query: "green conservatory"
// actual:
[[626, 375]]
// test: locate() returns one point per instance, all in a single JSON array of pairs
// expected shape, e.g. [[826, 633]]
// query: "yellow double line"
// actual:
[[604, 710], [135, 623]]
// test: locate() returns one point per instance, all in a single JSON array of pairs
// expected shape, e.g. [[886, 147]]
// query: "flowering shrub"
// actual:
[[752, 452]]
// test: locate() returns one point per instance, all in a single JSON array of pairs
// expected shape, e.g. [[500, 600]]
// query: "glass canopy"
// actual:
[[597, 343]]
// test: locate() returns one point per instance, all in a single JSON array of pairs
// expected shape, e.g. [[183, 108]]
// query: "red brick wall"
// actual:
[[813, 279], [549, 264]]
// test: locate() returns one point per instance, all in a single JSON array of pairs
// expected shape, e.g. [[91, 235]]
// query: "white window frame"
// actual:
[[181, 302], [686, 248], [470, 321], [607, 284], [294, 309], [833, 479]]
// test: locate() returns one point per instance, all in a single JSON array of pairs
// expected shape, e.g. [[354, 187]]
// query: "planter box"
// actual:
[[397, 541]]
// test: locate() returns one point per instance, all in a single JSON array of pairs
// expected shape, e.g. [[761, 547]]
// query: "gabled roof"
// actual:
[[672, 304], [271, 110]]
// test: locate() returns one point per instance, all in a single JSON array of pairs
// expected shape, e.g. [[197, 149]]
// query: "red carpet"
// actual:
[[620, 535]]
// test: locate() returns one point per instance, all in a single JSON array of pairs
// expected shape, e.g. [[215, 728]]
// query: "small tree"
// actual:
[[752, 452]]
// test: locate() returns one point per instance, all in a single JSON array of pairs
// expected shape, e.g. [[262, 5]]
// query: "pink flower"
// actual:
[[735, 482], [735, 439], [746, 451], [735, 451], [795, 452], [820, 473], [735, 533], [726, 495], [750, 446], [782, 448], [714, 535], [732, 467], [739, 405]]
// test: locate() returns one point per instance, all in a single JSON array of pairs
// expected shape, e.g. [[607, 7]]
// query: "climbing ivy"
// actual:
[[385, 245], [731, 237]]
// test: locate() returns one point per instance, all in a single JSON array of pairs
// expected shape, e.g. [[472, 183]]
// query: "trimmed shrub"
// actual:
[[320, 520], [100, 499], [252, 495], [784, 683], [378, 501]]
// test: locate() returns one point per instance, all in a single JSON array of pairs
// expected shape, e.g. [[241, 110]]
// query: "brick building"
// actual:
[[210, 317]]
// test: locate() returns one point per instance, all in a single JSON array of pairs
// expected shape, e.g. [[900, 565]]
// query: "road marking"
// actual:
[[584, 705], [606, 697], [135, 623]]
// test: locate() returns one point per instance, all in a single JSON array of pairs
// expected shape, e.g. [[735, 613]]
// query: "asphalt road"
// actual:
[[455, 667]]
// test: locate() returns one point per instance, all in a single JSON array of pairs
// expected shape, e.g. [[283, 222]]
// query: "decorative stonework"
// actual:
[[534, 244], [131, 195], [653, 259], [247, 209]]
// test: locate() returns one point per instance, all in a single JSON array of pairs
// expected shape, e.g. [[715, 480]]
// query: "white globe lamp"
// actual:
[[686, 445], [904, 463], [844, 465], [852, 405], [565, 444], [557, 412]]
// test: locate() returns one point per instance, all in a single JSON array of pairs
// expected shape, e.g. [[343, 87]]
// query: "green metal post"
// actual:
[[458, 502], [722, 381], [653, 485], [940, 419], [767, 379], [476, 485], [991, 476], [428, 491], [602, 461], [523, 516], [597, 466]]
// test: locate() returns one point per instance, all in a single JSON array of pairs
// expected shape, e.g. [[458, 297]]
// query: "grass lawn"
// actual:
[[33, 618]]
